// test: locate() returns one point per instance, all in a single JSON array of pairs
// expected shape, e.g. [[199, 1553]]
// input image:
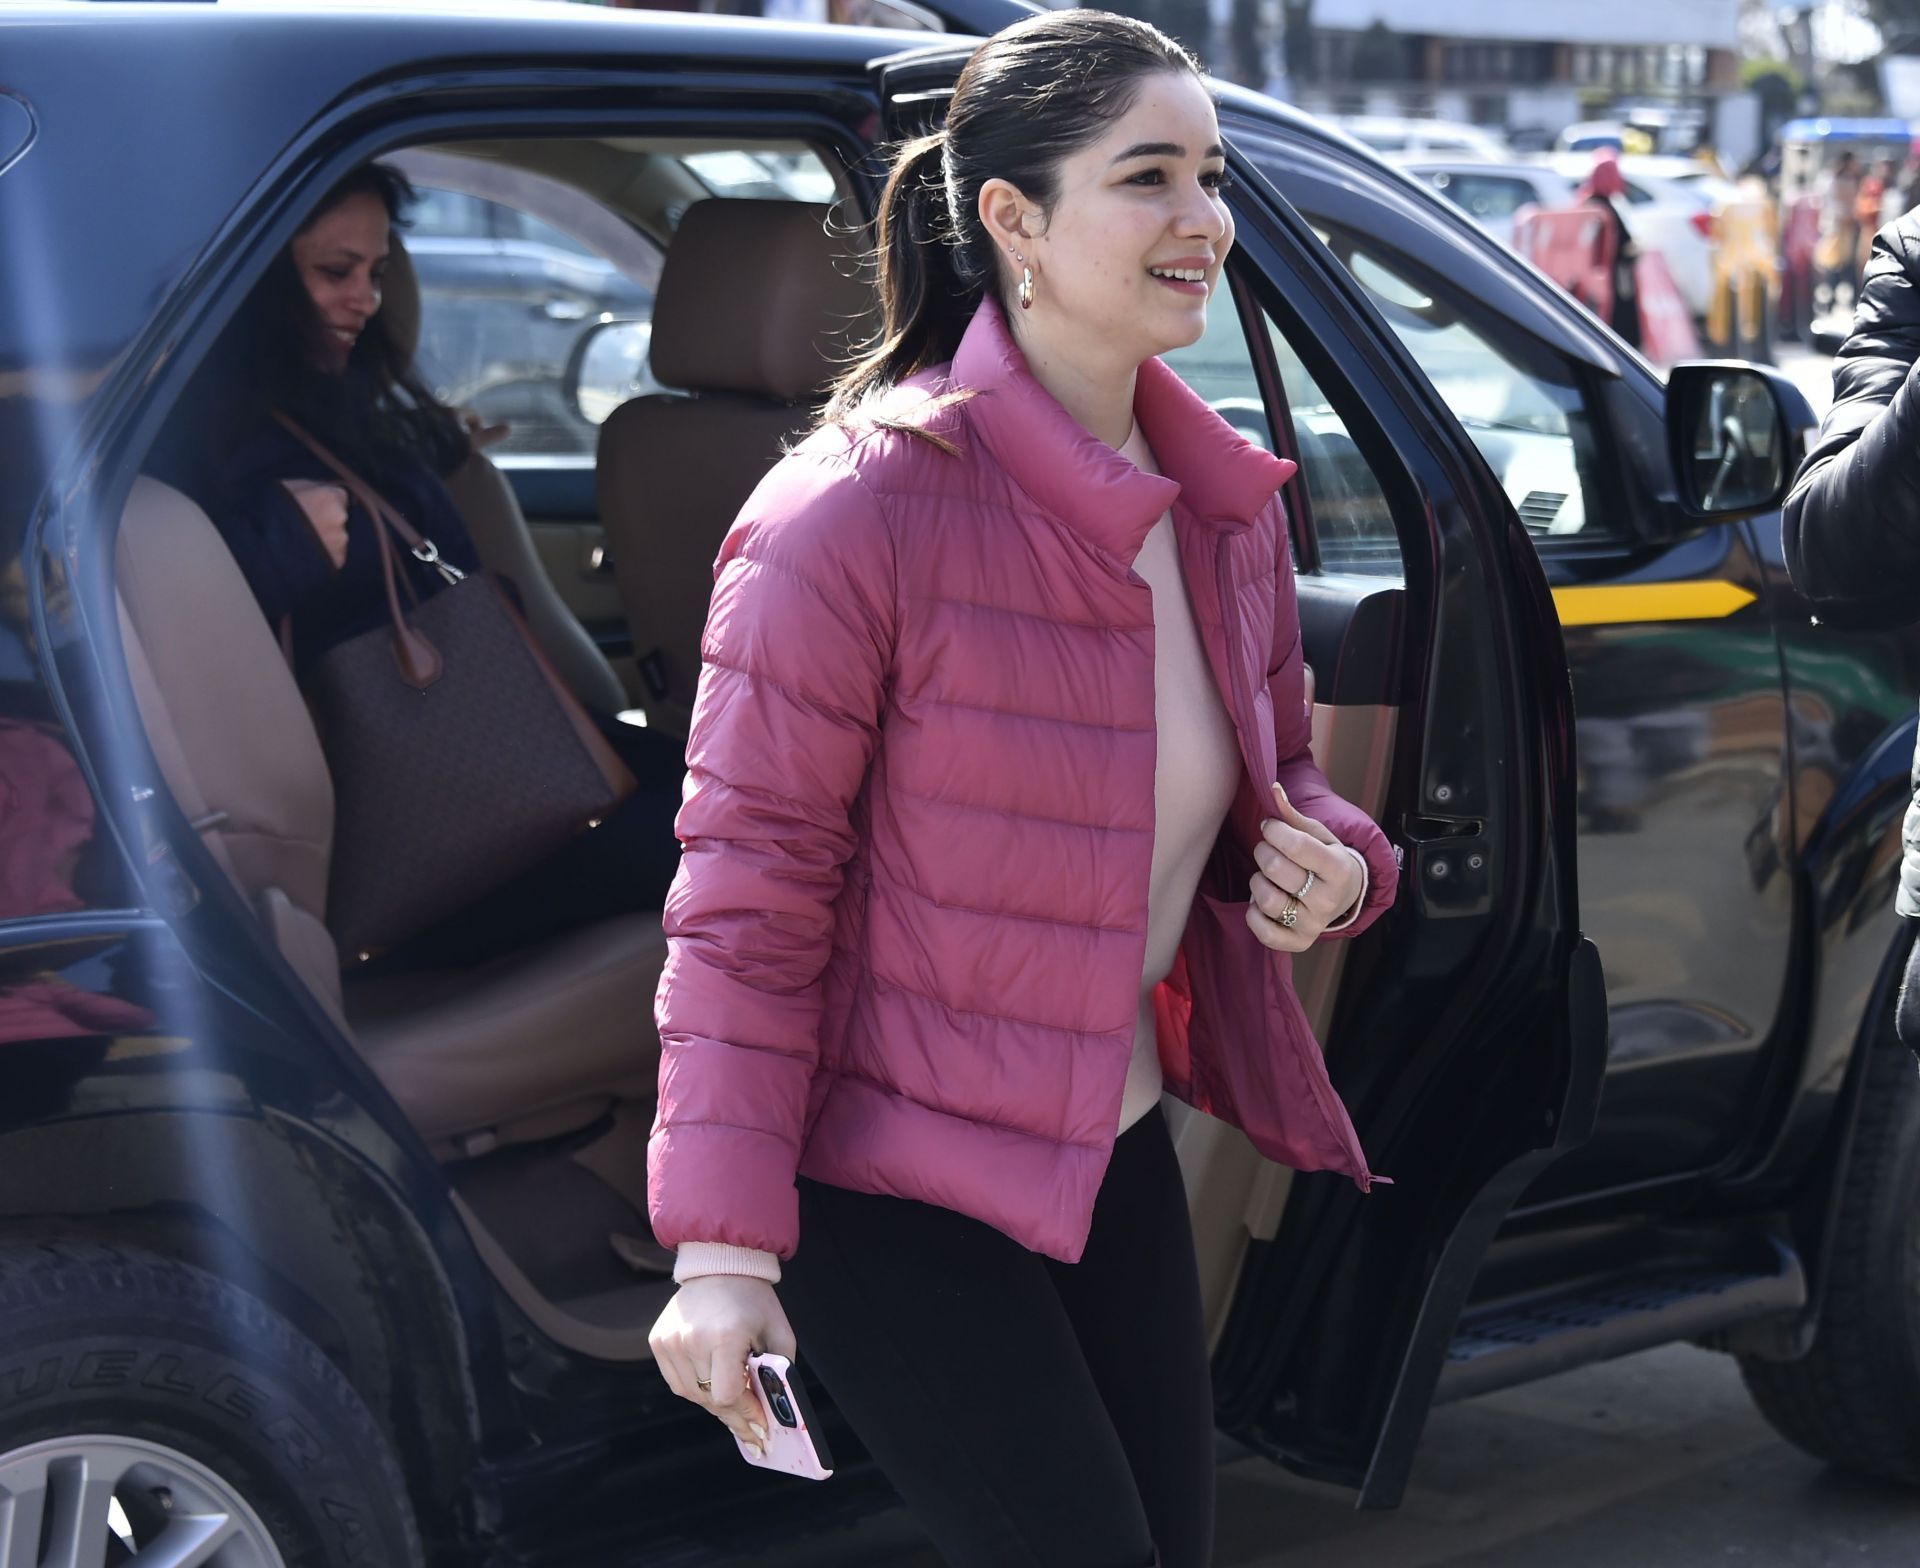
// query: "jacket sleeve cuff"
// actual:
[[1360, 903], [695, 1258]]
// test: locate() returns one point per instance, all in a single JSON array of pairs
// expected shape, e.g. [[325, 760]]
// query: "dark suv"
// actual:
[[304, 1265]]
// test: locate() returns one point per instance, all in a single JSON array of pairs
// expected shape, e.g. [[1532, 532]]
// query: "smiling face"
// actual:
[[1133, 249], [342, 259]]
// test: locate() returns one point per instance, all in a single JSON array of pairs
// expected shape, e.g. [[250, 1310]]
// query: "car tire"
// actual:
[[1854, 1399], [202, 1401]]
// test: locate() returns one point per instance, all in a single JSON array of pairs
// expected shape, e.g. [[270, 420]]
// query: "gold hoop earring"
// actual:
[[1026, 288]]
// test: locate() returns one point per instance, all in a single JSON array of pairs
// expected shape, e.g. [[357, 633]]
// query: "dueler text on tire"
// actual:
[[147, 1406]]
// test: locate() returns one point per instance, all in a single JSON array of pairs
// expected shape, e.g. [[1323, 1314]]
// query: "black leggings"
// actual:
[[1032, 1414]]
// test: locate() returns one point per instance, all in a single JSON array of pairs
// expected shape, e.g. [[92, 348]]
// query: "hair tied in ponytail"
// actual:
[[1029, 97]]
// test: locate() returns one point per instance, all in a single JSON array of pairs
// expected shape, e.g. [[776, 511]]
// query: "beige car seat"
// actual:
[[492, 514], [758, 308], [534, 1044]]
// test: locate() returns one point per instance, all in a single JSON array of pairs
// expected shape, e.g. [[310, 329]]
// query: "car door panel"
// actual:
[[1685, 847], [1680, 716], [1419, 681]]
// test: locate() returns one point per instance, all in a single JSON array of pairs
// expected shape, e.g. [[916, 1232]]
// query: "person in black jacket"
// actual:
[[310, 342], [1852, 522]]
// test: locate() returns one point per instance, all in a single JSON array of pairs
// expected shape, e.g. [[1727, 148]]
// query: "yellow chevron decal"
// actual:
[[1617, 604]]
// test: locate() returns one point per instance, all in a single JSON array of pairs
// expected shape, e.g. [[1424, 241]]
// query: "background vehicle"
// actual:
[[1670, 205], [1387, 134], [507, 294], [1623, 1043], [1491, 193]]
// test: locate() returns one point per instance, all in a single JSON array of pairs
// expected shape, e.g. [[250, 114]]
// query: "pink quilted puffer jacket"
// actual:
[[907, 936]]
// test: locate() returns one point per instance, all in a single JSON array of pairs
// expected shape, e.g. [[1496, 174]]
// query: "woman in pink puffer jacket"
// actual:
[[1000, 820]]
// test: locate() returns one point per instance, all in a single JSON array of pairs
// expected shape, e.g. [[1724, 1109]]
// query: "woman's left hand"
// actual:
[[479, 432], [1291, 846]]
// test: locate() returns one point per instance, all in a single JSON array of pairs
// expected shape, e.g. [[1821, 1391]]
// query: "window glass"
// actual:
[[536, 231], [1348, 508], [1349, 514], [1220, 368], [766, 176], [1485, 195], [1523, 408], [447, 214], [506, 295]]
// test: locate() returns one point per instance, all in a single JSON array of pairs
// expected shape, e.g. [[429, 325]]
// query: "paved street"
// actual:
[[1812, 373], [1656, 1461]]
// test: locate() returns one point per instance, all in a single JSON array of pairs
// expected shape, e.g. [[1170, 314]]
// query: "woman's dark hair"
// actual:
[[378, 409], [1029, 98]]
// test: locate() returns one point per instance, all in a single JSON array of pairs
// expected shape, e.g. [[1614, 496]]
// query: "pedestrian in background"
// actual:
[[1852, 521], [1838, 192], [1606, 188], [1869, 210], [1002, 711]]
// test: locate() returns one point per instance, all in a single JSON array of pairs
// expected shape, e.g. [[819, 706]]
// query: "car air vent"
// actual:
[[1540, 508]]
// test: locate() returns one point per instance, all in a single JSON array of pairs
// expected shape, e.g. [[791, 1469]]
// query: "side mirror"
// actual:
[[608, 367], [1737, 433]]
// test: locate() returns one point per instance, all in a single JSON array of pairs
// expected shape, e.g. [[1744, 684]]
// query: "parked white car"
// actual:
[[1670, 207], [1451, 138], [1491, 193]]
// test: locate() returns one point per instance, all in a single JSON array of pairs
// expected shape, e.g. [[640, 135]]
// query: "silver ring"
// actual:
[[1306, 887]]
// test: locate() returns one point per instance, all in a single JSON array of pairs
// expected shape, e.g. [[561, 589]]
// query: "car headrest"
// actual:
[[757, 297], [400, 299]]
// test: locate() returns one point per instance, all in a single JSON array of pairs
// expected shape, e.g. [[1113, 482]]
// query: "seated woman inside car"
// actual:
[[311, 343]]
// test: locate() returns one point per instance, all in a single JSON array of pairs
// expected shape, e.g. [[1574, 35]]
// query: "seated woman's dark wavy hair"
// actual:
[[1029, 98], [379, 409]]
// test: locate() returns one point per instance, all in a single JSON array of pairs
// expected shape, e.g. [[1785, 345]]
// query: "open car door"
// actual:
[[1468, 1036]]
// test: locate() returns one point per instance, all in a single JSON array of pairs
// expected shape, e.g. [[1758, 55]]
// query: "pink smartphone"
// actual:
[[794, 1445]]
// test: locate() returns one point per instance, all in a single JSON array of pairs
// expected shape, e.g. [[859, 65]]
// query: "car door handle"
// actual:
[[559, 308]]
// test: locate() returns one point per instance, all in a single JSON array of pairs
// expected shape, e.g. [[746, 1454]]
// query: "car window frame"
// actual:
[[92, 670], [1342, 185], [1517, 346]]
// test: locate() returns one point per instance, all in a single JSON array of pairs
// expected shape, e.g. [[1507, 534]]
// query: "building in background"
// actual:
[[1527, 68]]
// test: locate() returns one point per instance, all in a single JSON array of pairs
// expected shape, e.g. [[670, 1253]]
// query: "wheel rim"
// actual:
[[120, 1502]]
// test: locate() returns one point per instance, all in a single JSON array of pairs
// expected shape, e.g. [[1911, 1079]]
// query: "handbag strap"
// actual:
[[423, 548], [419, 661]]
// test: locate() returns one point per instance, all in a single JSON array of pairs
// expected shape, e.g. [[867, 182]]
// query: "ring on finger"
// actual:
[[1306, 887], [706, 1387], [1291, 913]]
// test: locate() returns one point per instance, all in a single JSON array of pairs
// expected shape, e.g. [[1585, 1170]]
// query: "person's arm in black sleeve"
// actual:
[[1852, 523]]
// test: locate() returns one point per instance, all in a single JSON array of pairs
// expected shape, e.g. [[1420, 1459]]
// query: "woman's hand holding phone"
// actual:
[[709, 1328]]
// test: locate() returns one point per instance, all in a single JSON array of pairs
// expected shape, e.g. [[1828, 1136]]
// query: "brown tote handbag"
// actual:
[[459, 758]]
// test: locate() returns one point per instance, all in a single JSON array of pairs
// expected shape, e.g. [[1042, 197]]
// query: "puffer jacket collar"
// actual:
[[1220, 477]]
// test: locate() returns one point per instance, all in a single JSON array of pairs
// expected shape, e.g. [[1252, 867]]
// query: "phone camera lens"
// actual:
[[783, 1412]]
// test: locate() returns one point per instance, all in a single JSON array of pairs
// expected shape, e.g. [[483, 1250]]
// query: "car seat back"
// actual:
[[759, 307], [226, 721]]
